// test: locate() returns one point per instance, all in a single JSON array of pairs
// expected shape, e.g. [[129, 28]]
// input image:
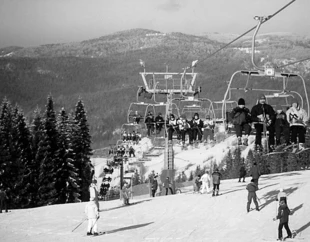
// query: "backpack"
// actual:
[[239, 118]]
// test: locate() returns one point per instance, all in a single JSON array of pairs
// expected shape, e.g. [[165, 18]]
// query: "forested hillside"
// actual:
[[104, 72]]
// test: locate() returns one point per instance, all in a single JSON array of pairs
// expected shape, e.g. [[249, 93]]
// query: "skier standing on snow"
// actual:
[[3, 201], [255, 173], [216, 177], [92, 214], [205, 182], [252, 188], [283, 216], [167, 185], [93, 192], [197, 183], [154, 186], [242, 173]]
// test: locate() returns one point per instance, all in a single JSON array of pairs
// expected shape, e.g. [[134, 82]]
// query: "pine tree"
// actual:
[[228, 165], [24, 162], [66, 183], [236, 164], [249, 161], [7, 151], [81, 141], [191, 176], [46, 154]]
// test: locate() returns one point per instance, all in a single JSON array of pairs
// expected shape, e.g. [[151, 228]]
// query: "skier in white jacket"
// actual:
[[297, 118], [205, 179], [93, 216]]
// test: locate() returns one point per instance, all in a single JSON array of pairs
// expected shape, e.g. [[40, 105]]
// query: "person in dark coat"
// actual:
[[216, 178], [3, 201], [167, 185], [242, 173], [263, 114], [198, 183], [159, 121], [171, 126], [241, 118], [149, 120], [197, 125], [252, 188], [283, 216], [255, 173], [154, 186], [282, 126]]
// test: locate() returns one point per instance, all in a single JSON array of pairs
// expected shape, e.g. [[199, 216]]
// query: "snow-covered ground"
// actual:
[[183, 217]]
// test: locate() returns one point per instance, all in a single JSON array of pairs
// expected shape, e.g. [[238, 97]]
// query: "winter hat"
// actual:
[[171, 115], [241, 101], [159, 113], [196, 114], [294, 100], [261, 96]]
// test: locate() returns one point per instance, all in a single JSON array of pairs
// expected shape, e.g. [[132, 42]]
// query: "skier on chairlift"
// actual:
[[263, 114], [171, 126], [197, 125], [149, 120], [297, 118], [241, 119], [281, 126], [159, 121]]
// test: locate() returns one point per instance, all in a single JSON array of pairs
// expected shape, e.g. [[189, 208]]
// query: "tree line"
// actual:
[[45, 161]]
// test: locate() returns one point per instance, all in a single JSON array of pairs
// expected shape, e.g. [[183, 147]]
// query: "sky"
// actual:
[[37, 22]]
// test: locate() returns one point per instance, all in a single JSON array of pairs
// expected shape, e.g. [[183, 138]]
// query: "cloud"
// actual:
[[170, 6]]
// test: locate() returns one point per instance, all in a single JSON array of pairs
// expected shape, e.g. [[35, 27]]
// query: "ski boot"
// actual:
[[213, 194]]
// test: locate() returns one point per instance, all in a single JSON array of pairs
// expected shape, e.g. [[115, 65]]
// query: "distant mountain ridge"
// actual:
[[104, 71]]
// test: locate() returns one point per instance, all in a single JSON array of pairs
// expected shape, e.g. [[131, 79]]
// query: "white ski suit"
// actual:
[[205, 179]]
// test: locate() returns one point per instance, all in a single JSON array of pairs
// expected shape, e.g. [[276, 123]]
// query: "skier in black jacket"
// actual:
[[263, 113], [150, 123], [197, 125], [159, 121], [241, 119]]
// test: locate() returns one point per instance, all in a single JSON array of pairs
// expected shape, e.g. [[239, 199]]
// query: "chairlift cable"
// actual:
[[292, 63], [264, 21]]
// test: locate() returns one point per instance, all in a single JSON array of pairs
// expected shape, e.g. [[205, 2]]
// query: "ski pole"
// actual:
[[94, 224], [79, 224]]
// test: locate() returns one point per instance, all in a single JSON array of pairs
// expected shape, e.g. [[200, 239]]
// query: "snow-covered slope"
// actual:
[[185, 160], [184, 217]]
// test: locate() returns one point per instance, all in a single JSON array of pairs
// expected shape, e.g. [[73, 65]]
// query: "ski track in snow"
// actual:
[[185, 217]]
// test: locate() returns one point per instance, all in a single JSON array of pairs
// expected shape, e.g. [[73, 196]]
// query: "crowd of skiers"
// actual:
[[289, 122]]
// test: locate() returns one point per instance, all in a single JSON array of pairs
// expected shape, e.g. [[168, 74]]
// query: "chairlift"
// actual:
[[278, 82]]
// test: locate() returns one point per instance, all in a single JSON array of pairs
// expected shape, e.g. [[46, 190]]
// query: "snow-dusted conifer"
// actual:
[[46, 154], [67, 179], [81, 142]]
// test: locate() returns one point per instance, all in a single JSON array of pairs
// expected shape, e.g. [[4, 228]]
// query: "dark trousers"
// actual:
[[197, 132], [252, 196], [150, 129], [240, 127], [170, 133], [182, 134], [298, 131], [3, 205], [259, 129], [190, 135], [153, 193], [242, 176], [216, 187], [167, 190], [289, 234], [255, 181], [285, 129]]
